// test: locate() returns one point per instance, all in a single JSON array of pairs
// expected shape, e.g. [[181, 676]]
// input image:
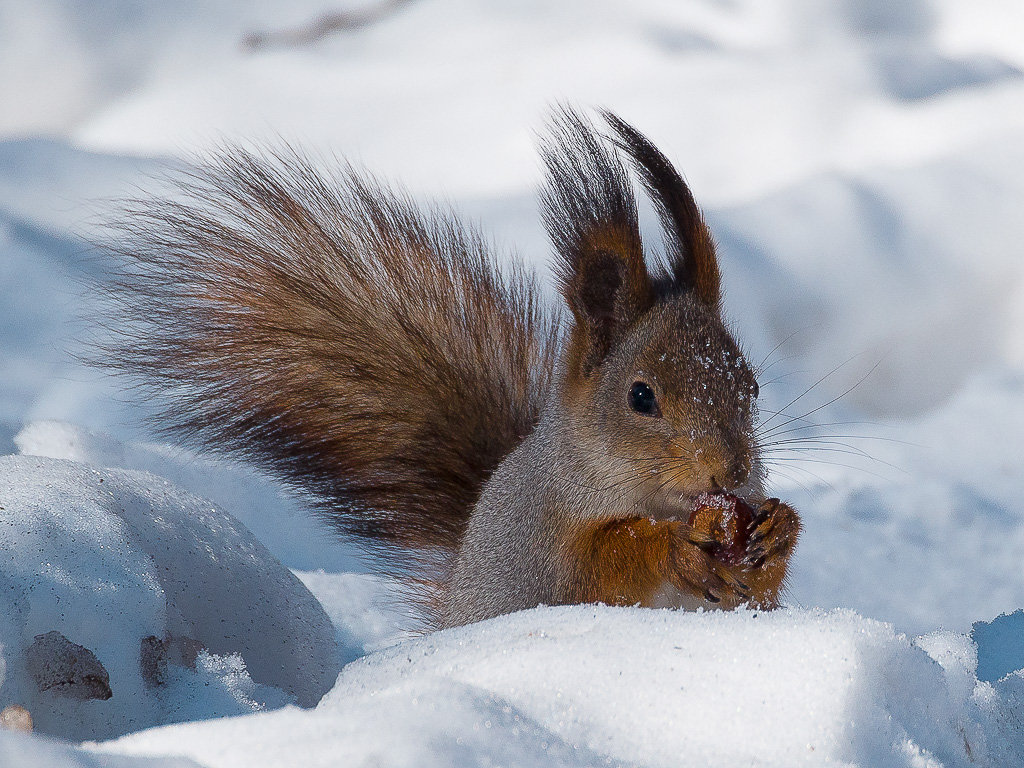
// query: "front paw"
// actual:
[[695, 568], [774, 530], [773, 533]]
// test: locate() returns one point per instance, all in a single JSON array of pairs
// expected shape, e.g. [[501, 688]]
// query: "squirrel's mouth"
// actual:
[[681, 506], [673, 506]]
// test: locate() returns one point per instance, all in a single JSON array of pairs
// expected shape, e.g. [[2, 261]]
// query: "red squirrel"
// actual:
[[434, 407]]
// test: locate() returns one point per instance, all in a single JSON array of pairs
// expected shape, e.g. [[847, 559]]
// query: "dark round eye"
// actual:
[[642, 400], [756, 390]]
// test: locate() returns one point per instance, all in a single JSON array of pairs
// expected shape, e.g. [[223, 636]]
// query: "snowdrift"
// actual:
[[586, 685], [128, 602]]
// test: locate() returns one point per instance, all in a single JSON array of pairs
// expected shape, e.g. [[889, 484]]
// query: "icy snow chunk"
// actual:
[[957, 655], [120, 572]]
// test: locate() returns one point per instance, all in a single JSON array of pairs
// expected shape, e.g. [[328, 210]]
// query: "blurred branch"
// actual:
[[326, 24]]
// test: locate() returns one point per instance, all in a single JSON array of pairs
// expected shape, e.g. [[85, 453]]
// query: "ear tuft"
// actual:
[[690, 247], [591, 216]]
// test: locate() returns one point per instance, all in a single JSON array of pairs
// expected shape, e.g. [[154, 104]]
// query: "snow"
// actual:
[[862, 165], [585, 685], [276, 519], [122, 562]]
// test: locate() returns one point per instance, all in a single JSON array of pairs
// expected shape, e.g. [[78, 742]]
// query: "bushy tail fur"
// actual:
[[327, 331]]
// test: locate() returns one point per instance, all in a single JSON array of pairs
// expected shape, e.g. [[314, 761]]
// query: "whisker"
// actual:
[[814, 425], [759, 368], [824, 439], [802, 460], [780, 377], [809, 473], [784, 472], [813, 386], [643, 502], [822, 446], [850, 452], [873, 438]]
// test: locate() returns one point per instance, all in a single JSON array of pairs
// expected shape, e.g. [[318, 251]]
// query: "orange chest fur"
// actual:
[[622, 562]]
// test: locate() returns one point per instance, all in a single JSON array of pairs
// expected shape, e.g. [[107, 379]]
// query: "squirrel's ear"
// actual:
[[689, 245], [591, 217]]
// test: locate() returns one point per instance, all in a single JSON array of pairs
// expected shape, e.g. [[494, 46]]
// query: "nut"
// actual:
[[726, 519]]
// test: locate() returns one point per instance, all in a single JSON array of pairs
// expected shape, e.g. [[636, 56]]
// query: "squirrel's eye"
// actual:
[[642, 400], [756, 390]]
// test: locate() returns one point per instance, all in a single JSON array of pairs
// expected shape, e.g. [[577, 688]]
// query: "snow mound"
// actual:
[[126, 602], [586, 685], [291, 533]]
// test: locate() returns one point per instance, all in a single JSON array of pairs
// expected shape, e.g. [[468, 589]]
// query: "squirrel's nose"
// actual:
[[730, 471]]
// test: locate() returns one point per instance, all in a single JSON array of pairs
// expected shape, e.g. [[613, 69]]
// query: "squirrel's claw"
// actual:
[[727, 587], [696, 571], [773, 534], [774, 531]]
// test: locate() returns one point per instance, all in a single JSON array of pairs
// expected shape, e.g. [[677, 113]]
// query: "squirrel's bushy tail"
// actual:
[[327, 331]]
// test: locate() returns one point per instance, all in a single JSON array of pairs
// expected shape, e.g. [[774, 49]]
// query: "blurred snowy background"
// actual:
[[861, 163]]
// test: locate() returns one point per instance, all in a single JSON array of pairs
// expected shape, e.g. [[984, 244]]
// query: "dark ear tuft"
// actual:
[[691, 249], [591, 217]]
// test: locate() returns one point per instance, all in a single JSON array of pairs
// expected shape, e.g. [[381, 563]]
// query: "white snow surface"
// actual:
[[861, 163], [586, 685], [109, 558]]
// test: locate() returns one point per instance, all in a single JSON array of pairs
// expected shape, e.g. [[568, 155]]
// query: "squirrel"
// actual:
[[430, 404]]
